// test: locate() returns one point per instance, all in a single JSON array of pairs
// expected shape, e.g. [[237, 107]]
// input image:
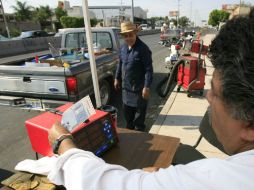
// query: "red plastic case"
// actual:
[[98, 134]]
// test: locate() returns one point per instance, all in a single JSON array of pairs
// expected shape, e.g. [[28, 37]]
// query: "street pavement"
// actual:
[[181, 115]]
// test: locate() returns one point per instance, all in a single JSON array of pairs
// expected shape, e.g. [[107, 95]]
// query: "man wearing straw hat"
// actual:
[[134, 74]]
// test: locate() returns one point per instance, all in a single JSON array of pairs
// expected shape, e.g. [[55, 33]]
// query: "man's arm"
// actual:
[[148, 66], [78, 170], [118, 75]]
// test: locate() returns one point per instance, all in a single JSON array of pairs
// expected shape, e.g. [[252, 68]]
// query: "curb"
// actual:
[[164, 112], [148, 32]]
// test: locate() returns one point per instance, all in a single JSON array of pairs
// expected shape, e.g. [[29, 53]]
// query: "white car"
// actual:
[[144, 27]]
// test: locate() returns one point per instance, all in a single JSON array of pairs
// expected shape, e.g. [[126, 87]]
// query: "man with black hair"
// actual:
[[231, 100]]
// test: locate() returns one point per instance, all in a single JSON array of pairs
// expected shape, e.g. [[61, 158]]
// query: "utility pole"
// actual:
[[5, 22], [240, 4], [104, 18], [121, 13], [132, 11], [191, 11], [178, 14]]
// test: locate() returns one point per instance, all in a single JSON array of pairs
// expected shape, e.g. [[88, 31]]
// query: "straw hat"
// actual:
[[127, 27]]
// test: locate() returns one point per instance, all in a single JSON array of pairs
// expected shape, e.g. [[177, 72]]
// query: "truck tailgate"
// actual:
[[31, 84]]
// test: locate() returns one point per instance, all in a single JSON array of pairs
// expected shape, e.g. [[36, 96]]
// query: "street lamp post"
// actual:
[[5, 22]]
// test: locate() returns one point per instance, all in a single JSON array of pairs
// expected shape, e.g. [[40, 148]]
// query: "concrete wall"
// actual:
[[18, 47], [22, 26], [149, 32]]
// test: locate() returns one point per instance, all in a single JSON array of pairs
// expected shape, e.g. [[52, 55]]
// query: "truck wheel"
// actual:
[[105, 92]]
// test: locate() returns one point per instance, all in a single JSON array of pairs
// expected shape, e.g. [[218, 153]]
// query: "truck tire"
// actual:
[[105, 92]]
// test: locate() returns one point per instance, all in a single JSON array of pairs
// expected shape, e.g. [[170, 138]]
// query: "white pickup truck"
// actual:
[[48, 87]]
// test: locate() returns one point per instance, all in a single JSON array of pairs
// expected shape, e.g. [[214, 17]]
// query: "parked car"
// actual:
[[32, 34], [2, 38], [144, 26]]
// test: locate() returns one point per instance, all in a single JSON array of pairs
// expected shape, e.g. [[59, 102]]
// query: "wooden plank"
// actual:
[[138, 150]]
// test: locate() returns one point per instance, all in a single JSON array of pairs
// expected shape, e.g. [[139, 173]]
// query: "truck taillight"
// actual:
[[71, 85]]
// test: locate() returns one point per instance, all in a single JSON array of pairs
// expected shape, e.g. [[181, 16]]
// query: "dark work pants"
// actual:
[[135, 116]]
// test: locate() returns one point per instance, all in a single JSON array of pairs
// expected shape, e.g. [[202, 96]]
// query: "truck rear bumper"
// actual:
[[30, 103]]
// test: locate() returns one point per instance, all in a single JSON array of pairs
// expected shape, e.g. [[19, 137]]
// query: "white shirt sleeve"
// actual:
[[80, 170]]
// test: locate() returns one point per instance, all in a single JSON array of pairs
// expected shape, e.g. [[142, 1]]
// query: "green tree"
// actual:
[[156, 18], [71, 22], [166, 20], [174, 21], [43, 14], [75, 22], [22, 11], [93, 22], [184, 21], [15, 32], [59, 12], [217, 16]]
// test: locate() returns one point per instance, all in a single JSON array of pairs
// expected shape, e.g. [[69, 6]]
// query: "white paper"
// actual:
[[77, 113]]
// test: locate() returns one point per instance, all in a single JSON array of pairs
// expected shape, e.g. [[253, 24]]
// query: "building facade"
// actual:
[[110, 15], [74, 11], [114, 15], [236, 9]]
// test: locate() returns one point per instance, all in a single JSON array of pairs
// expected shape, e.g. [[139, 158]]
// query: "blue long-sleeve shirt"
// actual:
[[135, 68]]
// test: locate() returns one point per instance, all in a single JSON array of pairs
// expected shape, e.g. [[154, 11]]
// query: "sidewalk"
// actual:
[[180, 117]]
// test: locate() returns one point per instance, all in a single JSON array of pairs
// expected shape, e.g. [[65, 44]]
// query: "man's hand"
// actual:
[[117, 84], [55, 132], [146, 93], [151, 169]]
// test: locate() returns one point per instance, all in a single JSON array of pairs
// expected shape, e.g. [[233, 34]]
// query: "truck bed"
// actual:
[[50, 82]]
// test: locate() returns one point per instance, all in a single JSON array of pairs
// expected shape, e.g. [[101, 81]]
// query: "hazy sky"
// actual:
[[197, 10]]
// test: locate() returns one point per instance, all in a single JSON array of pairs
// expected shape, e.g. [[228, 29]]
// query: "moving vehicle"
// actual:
[[41, 86], [32, 34], [144, 26], [169, 37]]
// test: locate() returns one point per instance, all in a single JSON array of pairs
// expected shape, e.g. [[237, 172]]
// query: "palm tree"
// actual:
[[23, 12], [59, 12], [44, 14]]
